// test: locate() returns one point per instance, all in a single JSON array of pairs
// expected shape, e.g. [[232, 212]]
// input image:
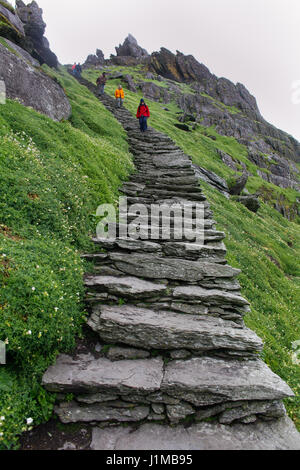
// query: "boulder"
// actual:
[[251, 202], [96, 60], [237, 184], [12, 20], [32, 87]]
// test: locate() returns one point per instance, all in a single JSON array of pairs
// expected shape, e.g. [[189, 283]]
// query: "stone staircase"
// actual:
[[176, 359]]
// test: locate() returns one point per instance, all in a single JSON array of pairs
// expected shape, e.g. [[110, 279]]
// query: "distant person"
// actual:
[[143, 114], [73, 68], [78, 70], [101, 82], [119, 94]]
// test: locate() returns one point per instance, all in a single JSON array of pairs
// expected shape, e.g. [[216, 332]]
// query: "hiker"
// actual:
[[119, 94], [101, 82], [78, 70], [143, 114], [73, 68]]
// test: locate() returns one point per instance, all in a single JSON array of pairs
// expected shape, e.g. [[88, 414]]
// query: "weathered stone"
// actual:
[[176, 413], [73, 413], [130, 48], [117, 353], [206, 381], [33, 88], [96, 398], [12, 20], [155, 267], [208, 296], [251, 202], [169, 330], [125, 286], [180, 354], [158, 409], [238, 185], [276, 435], [270, 409], [189, 309], [85, 374]]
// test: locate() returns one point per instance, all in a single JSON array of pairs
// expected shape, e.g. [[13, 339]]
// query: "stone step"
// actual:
[[169, 330], [202, 381], [129, 287], [153, 266], [275, 435]]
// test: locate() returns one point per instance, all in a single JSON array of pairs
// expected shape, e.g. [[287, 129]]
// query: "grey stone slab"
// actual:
[[210, 296], [169, 330], [116, 353], [207, 381], [125, 286], [73, 413], [276, 435], [85, 374], [155, 267]]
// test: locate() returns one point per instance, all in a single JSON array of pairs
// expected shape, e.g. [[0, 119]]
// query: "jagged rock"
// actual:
[[276, 435], [237, 186], [24, 54], [130, 83], [126, 286], [170, 330], [180, 354], [213, 296], [206, 381], [251, 202], [12, 20], [118, 354], [130, 48], [38, 46], [157, 408], [151, 91], [73, 413], [33, 88], [211, 178], [183, 127], [95, 60], [85, 374], [270, 409]]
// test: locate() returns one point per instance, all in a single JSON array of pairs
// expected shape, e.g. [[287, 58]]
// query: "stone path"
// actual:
[[175, 352]]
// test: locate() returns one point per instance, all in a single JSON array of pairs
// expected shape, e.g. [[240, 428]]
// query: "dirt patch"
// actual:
[[56, 436], [7, 232]]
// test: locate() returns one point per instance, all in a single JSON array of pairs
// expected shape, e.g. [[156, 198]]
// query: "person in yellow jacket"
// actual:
[[119, 94]]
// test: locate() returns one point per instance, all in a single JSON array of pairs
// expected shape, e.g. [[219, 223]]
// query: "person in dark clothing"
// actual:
[[101, 82], [78, 71], [143, 114]]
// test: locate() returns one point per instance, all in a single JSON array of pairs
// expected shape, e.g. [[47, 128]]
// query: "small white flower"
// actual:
[[1, 434], [4, 256], [2, 418], [56, 309], [29, 421], [29, 332], [33, 289]]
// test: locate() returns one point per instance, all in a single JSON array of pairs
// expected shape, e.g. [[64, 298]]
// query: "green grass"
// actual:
[[53, 176], [265, 246]]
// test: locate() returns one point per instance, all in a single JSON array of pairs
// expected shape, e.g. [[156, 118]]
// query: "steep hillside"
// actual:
[[264, 245], [53, 176]]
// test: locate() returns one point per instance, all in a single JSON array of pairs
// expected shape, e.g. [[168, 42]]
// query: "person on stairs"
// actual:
[[73, 68], [78, 70], [143, 114], [101, 82], [119, 94]]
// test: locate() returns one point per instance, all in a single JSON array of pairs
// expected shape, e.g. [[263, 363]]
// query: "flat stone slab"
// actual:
[[85, 374], [213, 296], [275, 435], [156, 267], [126, 286], [74, 413], [128, 244], [169, 330], [206, 381]]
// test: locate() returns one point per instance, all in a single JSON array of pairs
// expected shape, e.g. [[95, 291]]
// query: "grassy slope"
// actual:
[[265, 246], [52, 178]]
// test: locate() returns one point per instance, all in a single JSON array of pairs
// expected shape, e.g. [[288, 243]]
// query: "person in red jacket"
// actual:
[[143, 114]]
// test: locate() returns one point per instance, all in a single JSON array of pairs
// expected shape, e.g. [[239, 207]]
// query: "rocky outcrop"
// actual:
[[130, 48], [35, 43], [95, 60], [32, 87], [13, 21], [168, 313]]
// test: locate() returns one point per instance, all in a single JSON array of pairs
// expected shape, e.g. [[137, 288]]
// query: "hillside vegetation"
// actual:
[[265, 246], [53, 176]]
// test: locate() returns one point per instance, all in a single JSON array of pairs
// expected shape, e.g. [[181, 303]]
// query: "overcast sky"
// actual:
[[255, 42]]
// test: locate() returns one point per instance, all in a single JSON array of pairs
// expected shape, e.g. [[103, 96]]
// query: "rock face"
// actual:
[[96, 60], [31, 87], [130, 48], [169, 316], [12, 20], [36, 44]]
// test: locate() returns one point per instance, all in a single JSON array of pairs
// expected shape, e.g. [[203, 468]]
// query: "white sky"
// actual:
[[255, 42]]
